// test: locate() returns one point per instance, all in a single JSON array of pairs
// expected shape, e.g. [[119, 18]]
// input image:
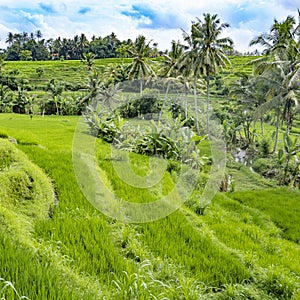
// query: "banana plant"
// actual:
[[290, 150]]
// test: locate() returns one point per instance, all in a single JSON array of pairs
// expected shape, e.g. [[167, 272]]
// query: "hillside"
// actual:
[[74, 72], [245, 246]]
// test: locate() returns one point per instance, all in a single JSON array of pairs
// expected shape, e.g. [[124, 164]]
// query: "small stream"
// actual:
[[241, 156]]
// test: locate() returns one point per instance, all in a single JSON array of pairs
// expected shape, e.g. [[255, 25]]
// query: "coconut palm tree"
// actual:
[[212, 51], [89, 60], [205, 54], [283, 95], [39, 34], [279, 39], [250, 93], [94, 85], [282, 55], [170, 67], [140, 67], [56, 89], [190, 60], [10, 38]]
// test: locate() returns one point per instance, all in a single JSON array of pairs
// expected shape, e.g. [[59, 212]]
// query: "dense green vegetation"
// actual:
[[236, 235], [241, 246], [24, 46]]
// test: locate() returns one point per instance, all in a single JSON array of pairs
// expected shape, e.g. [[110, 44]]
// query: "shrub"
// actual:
[[153, 144], [265, 147], [267, 167], [102, 125], [146, 104]]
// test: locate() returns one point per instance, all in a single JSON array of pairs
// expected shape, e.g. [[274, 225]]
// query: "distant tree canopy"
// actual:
[[24, 46]]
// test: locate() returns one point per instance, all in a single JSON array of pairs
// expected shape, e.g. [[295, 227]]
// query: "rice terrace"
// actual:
[[127, 172]]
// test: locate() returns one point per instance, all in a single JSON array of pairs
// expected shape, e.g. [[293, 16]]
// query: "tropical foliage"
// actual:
[[54, 244]]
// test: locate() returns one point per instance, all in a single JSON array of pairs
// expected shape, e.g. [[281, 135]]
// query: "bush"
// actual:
[[145, 104], [266, 167], [104, 126], [265, 147], [153, 144]]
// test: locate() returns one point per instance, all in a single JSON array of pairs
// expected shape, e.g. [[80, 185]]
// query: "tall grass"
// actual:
[[237, 250]]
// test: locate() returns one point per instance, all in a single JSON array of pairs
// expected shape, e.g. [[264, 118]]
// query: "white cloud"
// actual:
[[66, 18]]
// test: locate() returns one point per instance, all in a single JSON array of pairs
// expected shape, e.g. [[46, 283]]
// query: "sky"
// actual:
[[159, 20]]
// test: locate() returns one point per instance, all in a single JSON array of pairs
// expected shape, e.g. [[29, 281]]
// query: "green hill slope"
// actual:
[[241, 248]]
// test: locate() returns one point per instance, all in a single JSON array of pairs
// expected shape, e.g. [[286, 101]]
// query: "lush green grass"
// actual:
[[237, 250], [71, 72], [26, 199], [281, 204]]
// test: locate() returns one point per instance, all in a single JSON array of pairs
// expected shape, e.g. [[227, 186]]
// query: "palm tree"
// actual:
[[95, 83], [89, 60], [283, 92], [83, 42], [39, 34], [279, 39], [186, 81], [139, 67], [170, 68], [190, 61], [212, 49], [205, 54], [10, 38], [250, 93], [282, 55], [75, 47], [114, 73], [56, 89]]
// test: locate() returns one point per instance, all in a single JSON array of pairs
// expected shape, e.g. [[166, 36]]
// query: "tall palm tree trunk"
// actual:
[[185, 106], [196, 104], [262, 125], [141, 86], [277, 131], [164, 101], [207, 103]]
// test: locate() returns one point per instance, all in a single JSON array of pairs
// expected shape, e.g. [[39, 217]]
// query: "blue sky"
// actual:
[[159, 20]]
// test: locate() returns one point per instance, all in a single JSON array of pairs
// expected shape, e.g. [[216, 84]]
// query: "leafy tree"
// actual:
[[39, 71], [2, 64], [25, 55]]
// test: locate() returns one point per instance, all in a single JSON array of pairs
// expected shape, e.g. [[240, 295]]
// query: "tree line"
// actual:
[[32, 46]]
